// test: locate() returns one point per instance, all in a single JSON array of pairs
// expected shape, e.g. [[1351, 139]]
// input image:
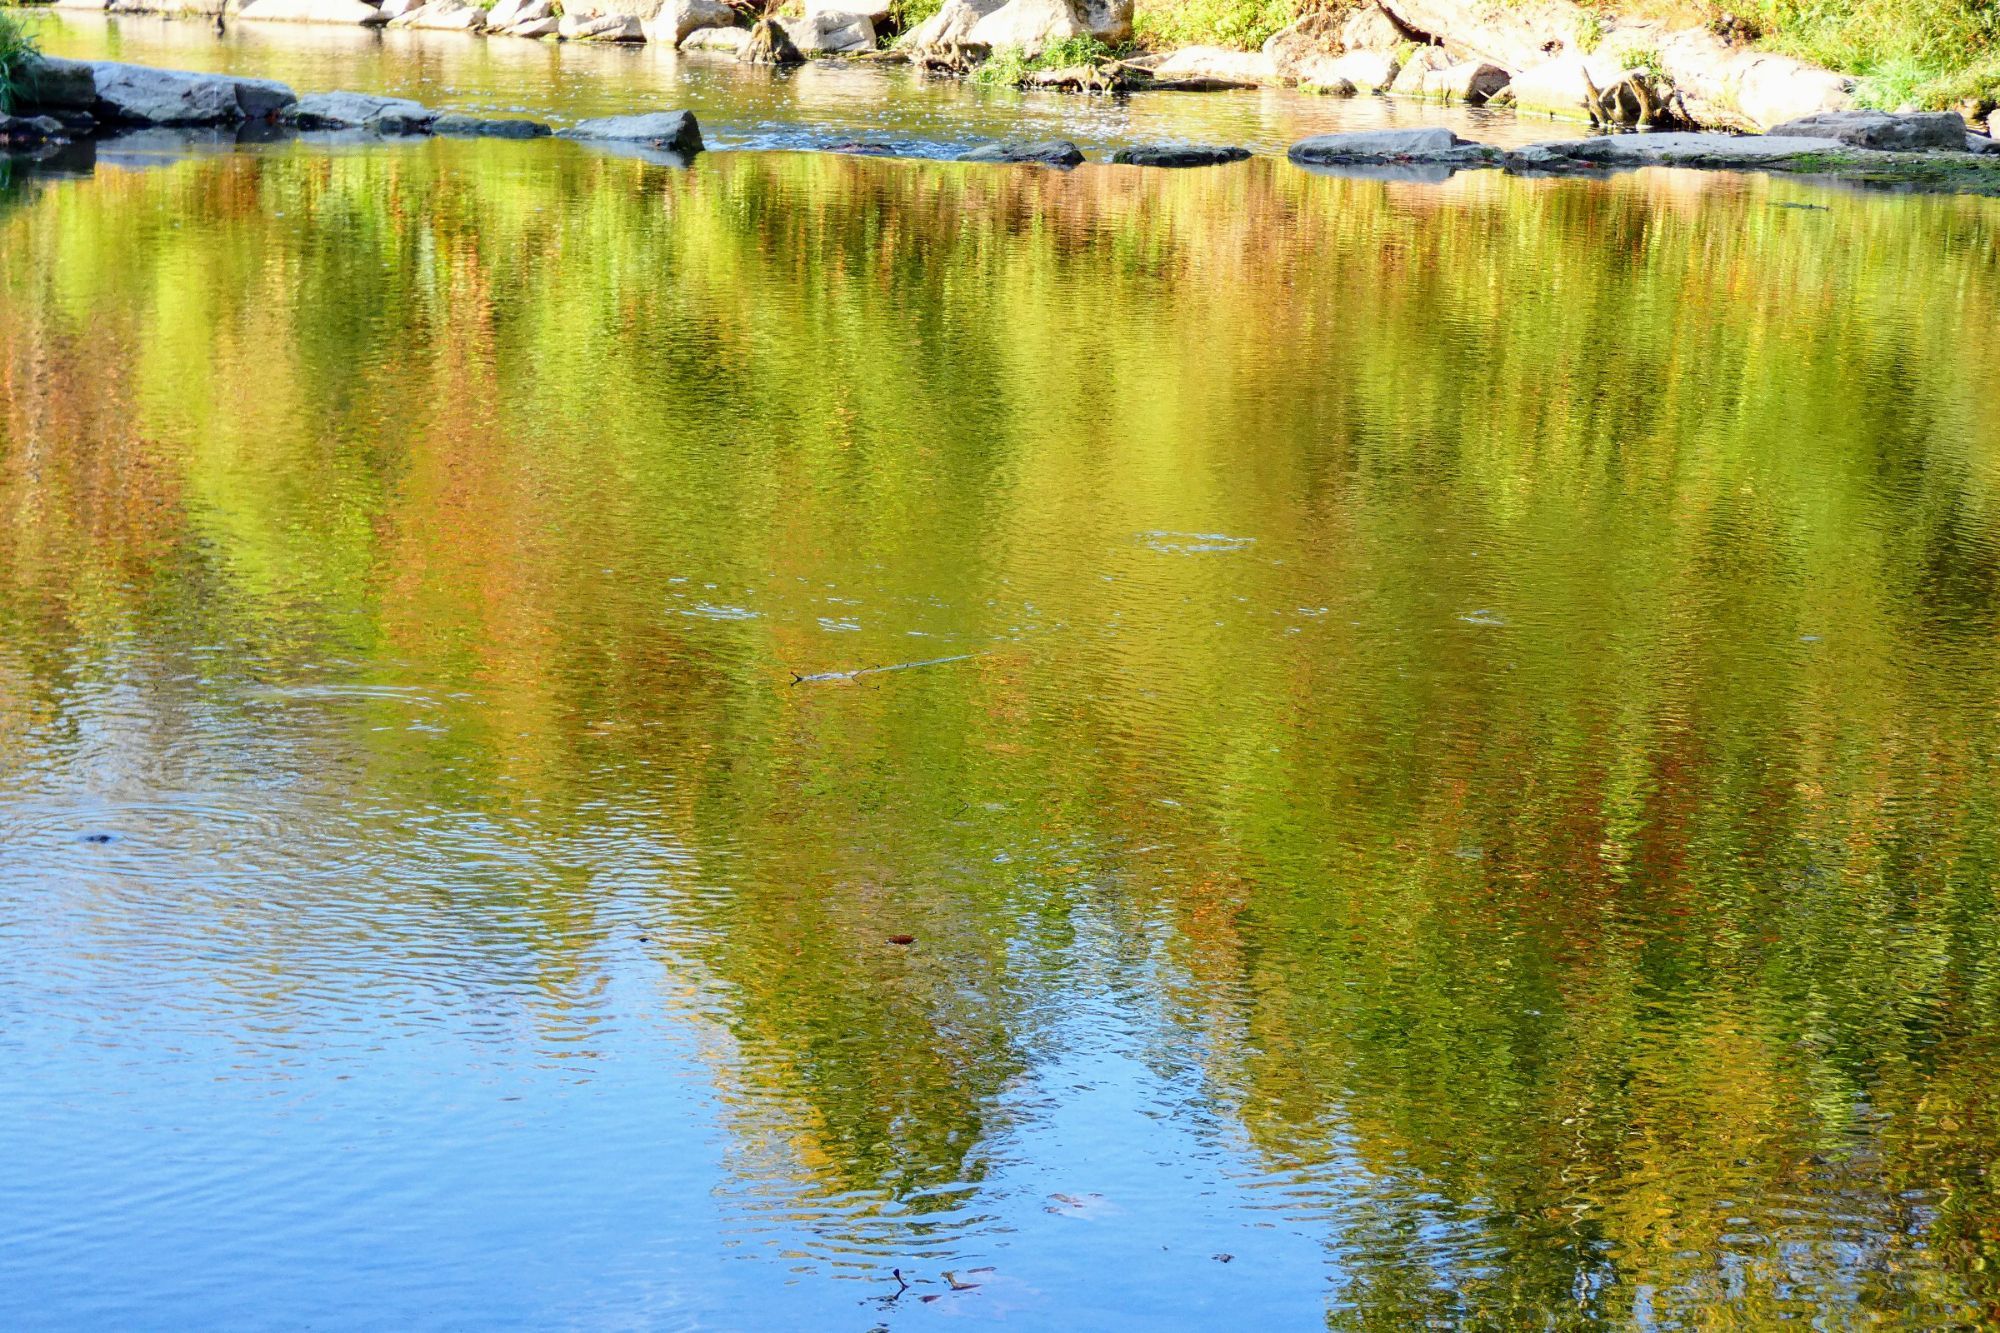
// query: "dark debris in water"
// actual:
[[100, 839]]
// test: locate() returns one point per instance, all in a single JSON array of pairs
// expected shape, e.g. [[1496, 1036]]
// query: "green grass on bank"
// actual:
[[15, 47], [1936, 53]]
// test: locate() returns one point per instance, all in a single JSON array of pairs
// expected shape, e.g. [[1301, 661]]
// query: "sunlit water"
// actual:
[[1452, 776], [818, 105]]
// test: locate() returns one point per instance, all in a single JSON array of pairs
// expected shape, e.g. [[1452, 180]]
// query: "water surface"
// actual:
[[1463, 788]]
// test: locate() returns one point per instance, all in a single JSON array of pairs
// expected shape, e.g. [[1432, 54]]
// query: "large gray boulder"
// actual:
[[1030, 25], [352, 13], [1045, 152], [1362, 71], [673, 130], [769, 44], [727, 41], [678, 20], [1907, 131], [830, 32], [1328, 36], [1214, 67], [443, 16], [140, 95], [1434, 77], [600, 28], [1433, 145], [952, 25], [339, 111], [51, 84]]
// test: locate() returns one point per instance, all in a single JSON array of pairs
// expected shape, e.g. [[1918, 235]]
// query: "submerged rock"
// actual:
[[1434, 145], [476, 127], [674, 130], [1046, 152], [30, 131], [1690, 149], [384, 115], [1178, 155], [1879, 129]]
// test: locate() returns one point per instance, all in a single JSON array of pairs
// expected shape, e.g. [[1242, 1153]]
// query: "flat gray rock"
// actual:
[[1047, 152], [673, 130], [1178, 155], [476, 127], [139, 95], [47, 83], [339, 111], [1433, 145], [1898, 132], [1671, 150]]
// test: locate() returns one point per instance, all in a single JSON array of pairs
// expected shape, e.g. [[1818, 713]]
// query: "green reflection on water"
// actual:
[[1491, 684]]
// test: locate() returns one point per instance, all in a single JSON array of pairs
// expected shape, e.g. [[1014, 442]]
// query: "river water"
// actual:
[[1443, 769]]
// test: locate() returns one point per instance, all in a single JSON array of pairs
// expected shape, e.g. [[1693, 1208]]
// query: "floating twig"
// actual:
[[821, 677]]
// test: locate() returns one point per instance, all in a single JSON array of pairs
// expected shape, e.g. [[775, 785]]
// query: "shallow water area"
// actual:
[[818, 742], [816, 105]]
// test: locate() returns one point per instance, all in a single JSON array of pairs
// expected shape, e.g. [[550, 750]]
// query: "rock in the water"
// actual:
[[1047, 152], [770, 44], [50, 84], [350, 12], [680, 19], [1027, 25], [1030, 25], [875, 11], [1670, 150], [675, 130], [1213, 67], [544, 27], [1178, 155], [1365, 71], [952, 25], [139, 95], [1979, 143], [1313, 37], [730, 41], [1582, 88], [478, 127], [395, 9], [600, 28], [1434, 145], [1418, 63], [1880, 129], [830, 32], [30, 131], [339, 111], [1436, 79], [444, 16]]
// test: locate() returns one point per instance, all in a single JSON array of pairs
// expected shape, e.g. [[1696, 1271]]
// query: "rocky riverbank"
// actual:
[[67, 100], [1551, 57]]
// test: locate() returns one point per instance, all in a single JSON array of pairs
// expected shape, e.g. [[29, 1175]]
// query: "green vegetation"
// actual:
[[16, 45], [1010, 65], [1243, 24], [907, 14], [1931, 52]]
